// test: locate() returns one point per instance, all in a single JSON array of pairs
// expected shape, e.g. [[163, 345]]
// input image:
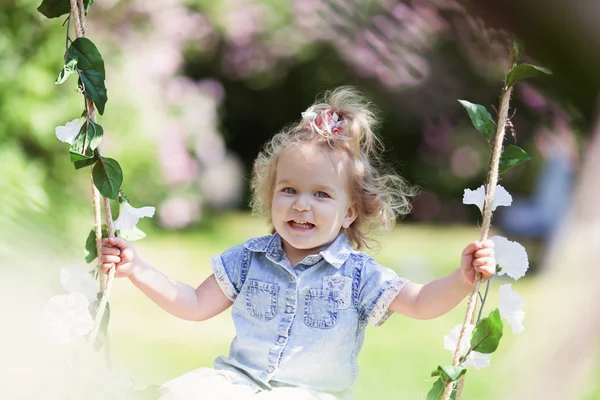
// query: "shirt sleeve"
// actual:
[[228, 270], [378, 287]]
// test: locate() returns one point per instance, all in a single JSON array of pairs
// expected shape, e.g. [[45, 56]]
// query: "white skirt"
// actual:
[[210, 384]]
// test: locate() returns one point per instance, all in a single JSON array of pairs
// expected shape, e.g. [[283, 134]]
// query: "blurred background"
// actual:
[[196, 88]]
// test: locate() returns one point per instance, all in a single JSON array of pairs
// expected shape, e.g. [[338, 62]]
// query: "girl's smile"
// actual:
[[303, 226]]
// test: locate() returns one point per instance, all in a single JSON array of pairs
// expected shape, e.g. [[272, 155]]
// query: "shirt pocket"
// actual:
[[321, 308], [261, 299]]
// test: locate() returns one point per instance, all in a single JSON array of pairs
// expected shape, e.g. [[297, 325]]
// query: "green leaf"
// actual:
[[95, 90], [437, 390], [487, 333], [90, 244], [481, 118], [56, 8], [449, 373], [87, 54], [80, 150], [88, 4], [108, 177], [86, 142], [95, 134], [518, 49], [90, 247], [68, 70], [511, 157], [91, 70], [87, 162], [524, 71]]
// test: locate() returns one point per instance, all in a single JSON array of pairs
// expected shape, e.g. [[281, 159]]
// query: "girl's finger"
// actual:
[[479, 262], [486, 271], [110, 251], [485, 252], [106, 266], [115, 242], [110, 259], [470, 249], [488, 243]]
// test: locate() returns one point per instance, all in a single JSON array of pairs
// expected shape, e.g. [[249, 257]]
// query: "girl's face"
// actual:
[[311, 202]]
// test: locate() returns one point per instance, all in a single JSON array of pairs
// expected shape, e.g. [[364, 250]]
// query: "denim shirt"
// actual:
[[303, 325]]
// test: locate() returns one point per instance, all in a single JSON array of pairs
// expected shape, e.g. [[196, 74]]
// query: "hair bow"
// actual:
[[332, 121]]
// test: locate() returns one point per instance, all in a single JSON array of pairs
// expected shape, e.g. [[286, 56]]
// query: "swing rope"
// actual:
[[105, 281], [492, 181]]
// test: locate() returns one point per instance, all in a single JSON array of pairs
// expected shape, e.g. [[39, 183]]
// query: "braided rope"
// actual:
[[78, 16], [492, 181]]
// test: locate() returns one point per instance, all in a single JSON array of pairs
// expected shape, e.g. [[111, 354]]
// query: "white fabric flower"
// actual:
[[511, 256], [74, 279], [475, 359], [478, 360], [129, 216], [511, 308], [67, 317], [66, 133], [131, 235], [477, 197]]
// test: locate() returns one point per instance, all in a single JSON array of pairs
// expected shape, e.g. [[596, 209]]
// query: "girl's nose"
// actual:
[[301, 204]]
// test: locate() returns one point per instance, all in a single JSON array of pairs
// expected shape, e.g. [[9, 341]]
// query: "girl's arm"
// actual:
[[433, 299], [178, 298], [438, 297]]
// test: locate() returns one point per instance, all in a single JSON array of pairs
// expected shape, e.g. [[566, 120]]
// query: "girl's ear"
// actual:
[[350, 217]]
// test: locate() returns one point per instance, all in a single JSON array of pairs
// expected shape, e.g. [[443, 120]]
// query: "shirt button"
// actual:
[[281, 339], [289, 309], [271, 369]]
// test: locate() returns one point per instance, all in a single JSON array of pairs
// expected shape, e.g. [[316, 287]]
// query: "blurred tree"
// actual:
[[200, 86]]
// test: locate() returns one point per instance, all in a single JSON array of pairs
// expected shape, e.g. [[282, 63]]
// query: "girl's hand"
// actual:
[[478, 257], [119, 253]]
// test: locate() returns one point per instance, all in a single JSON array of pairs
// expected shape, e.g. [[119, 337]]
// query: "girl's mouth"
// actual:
[[300, 225]]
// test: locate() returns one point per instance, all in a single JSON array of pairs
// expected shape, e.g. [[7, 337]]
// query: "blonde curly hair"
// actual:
[[343, 123]]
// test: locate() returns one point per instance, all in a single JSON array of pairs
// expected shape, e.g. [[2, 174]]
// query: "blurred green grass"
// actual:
[[396, 360]]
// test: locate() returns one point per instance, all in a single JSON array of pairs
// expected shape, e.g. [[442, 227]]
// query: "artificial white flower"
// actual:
[[475, 359], [74, 279], [68, 132], [478, 360], [131, 235], [129, 216], [511, 308], [511, 256], [67, 317], [477, 197]]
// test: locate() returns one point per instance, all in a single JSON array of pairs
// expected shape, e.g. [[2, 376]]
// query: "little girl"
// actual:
[[302, 296]]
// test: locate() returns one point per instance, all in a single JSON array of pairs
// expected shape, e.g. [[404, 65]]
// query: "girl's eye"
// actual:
[[322, 195], [289, 190]]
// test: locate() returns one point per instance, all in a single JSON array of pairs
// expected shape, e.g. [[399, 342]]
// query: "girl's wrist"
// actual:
[[464, 284], [138, 267]]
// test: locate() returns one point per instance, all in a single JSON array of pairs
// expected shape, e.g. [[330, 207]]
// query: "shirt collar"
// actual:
[[336, 253]]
